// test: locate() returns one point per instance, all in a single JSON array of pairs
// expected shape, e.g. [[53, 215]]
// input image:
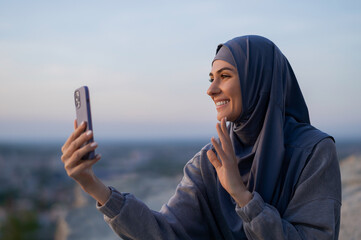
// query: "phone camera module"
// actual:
[[77, 99]]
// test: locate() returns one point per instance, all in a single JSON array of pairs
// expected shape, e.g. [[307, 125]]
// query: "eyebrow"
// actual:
[[222, 69]]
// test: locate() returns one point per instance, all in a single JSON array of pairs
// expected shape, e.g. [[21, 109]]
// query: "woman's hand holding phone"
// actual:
[[79, 169]]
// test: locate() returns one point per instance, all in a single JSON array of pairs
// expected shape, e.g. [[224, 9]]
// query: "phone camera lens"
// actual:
[[77, 99]]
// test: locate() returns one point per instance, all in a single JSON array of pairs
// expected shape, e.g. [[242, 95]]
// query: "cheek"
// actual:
[[234, 94], [237, 102], [238, 109]]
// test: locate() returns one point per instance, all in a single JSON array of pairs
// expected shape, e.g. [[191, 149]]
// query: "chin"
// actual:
[[220, 117]]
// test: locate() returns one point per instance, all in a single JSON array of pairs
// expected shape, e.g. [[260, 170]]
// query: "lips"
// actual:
[[221, 103]]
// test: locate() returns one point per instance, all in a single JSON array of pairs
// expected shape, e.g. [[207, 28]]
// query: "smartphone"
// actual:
[[83, 113]]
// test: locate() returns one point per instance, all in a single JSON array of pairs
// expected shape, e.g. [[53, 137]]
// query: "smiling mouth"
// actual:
[[221, 103]]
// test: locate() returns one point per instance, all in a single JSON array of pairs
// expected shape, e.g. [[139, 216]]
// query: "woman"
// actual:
[[270, 175]]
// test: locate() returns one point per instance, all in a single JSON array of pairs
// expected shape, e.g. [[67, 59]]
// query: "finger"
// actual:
[[74, 135], [81, 152], [219, 149], [77, 143], [75, 124], [85, 164], [77, 132], [213, 159], [73, 172], [77, 156], [220, 133], [226, 159], [224, 141], [226, 144], [224, 128]]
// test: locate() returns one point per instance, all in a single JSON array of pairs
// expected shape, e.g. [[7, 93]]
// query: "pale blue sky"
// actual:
[[147, 63]]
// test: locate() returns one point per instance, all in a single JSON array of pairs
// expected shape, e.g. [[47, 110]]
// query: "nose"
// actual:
[[213, 89]]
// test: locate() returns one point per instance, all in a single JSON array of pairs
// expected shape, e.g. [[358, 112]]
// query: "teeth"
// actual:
[[221, 103]]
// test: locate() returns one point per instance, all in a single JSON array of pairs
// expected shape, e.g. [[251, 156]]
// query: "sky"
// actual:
[[146, 63]]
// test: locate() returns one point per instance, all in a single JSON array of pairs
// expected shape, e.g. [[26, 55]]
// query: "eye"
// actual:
[[211, 80], [225, 76]]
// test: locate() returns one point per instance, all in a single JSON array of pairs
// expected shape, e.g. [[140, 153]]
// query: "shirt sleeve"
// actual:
[[130, 218], [314, 210]]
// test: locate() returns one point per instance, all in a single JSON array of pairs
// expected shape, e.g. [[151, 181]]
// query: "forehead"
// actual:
[[219, 65]]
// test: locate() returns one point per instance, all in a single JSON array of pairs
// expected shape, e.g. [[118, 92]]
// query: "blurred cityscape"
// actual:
[[39, 201]]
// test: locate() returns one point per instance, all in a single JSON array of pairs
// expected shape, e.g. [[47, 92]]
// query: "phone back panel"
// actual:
[[83, 112]]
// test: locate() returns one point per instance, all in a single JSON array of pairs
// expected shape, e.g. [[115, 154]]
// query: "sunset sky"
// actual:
[[147, 62]]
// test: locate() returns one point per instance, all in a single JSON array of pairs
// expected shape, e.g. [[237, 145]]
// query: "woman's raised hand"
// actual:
[[226, 166], [81, 170]]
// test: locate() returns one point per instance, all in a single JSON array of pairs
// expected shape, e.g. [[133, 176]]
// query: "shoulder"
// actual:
[[200, 157], [326, 144], [195, 167], [323, 155], [207, 147], [303, 135], [199, 168]]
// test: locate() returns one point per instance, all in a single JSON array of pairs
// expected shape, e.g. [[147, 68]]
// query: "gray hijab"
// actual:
[[272, 138]]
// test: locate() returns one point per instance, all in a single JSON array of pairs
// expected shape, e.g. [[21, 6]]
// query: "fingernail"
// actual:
[[225, 119], [94, 144], [89, 132], [99, 156], [82, 123]]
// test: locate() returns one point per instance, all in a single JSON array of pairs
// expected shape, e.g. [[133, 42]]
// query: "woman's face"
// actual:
[[225, 90]]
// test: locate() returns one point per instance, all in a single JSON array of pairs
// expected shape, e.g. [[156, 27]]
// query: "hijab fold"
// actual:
[[272, 135]]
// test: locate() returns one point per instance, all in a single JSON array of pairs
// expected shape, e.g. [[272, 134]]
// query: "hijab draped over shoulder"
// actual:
[[272, 137]]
